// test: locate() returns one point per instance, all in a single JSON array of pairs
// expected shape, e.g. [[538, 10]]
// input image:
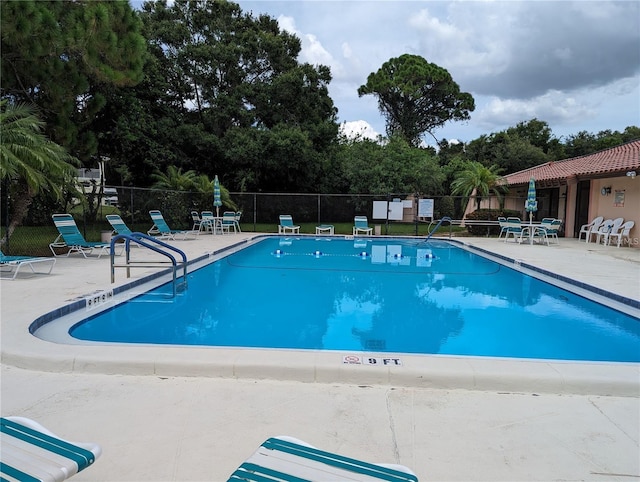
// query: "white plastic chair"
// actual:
[[623, 233], [607, 230], [588, 229]]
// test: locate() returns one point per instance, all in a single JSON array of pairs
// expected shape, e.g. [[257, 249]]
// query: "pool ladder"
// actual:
[[443, 220], [156, 245]]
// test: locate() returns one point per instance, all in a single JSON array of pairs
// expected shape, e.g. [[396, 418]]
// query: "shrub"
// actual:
[[488, 215]]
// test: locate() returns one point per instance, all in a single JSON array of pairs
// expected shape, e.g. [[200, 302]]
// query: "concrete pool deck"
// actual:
[[162, 425]]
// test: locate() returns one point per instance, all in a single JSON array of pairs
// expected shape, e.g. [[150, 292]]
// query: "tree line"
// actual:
[[200, 88]]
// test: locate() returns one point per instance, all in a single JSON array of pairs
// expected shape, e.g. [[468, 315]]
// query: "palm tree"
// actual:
[[204, 185], [479, 179], [174, 179], [29, 160]]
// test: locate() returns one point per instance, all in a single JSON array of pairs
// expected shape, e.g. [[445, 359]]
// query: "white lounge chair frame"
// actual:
[[14, 263], [28, 451]]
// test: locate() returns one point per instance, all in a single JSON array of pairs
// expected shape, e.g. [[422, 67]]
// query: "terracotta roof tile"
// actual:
[[610, 161]]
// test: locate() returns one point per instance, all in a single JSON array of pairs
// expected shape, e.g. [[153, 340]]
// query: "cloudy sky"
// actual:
[[575, 65]]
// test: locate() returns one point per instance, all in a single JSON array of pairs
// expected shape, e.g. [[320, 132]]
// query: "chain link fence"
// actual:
[[260, 212]]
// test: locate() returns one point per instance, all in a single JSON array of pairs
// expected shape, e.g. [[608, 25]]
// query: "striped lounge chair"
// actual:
[[30, 452], [289, 459]]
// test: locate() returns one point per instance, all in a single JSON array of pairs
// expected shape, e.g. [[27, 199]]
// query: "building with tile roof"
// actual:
[[576, 190]]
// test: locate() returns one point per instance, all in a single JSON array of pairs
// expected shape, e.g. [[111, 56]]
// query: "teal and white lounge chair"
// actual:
[[286, 225], [71, 238], [118, 225], [11, 265], [361, 225], [162, 230], [30, 452], [290, 459]]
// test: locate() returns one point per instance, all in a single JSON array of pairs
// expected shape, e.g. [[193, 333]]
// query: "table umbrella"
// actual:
[[217, 199], [531, 205]]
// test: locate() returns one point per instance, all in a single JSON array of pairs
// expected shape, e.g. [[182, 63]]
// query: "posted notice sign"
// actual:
[[425, 208]]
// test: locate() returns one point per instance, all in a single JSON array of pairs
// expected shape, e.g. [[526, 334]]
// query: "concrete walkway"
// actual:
[[163, 427]]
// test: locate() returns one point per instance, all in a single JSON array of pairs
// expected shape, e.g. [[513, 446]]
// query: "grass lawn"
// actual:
[[34, 240]]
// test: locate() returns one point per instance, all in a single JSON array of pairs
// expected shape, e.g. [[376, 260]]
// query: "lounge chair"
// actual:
[[608, 227], [12, 265], [622, 233], [228, 222], [588, 229], [72, 239], [361, 225], [162, 230], [30, 452], [286, 225], [290, 459], [118, 225]]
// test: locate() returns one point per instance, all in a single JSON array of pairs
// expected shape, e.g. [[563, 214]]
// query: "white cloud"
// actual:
[[312, 51], [553, 107], [572, 64], [359, 128]]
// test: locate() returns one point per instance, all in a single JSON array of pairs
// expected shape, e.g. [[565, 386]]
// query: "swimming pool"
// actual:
[[371, 295]]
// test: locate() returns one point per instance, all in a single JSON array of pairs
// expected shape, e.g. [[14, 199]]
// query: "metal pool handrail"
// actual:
[[147, 241], [444, 219]]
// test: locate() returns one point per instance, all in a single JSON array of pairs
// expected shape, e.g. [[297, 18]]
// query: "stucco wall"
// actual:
[[605, 205]]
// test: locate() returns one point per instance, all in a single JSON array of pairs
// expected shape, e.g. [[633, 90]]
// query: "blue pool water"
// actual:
[[374, 295]]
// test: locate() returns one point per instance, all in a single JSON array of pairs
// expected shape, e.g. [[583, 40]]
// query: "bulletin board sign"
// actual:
[[618, 199], [425, 208]]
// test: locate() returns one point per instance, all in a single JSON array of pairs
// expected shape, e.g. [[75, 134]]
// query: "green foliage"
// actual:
[[60, 55], [416, 96], [488, 215], [479, 180], [371, 168], [29, 162]]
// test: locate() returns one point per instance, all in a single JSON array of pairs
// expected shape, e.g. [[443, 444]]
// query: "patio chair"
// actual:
[[361, 226], [238, 216], [209, 223], [548, 228], [71, 238], [621, 234], [162, 230], [12, 265], [228, 222], [287, 459], [516, 229], [588, 229], [197, 221], [286, 225], [502, 222], [30, 452], [608, 227]]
